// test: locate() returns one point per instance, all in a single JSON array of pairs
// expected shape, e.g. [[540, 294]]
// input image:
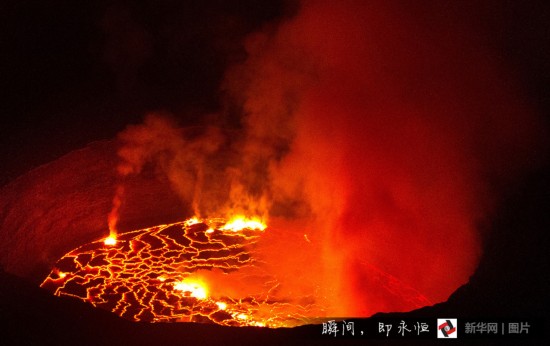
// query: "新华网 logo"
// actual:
[[446, 328]]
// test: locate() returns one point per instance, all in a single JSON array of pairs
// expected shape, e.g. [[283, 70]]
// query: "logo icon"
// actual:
[[446, 328]]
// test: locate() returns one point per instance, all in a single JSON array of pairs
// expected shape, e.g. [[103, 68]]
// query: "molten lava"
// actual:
[[239, 223], [110, 240], [155, 275]]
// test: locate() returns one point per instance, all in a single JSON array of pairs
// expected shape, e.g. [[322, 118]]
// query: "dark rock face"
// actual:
[[41, 211], [512, 277], [64, 204]]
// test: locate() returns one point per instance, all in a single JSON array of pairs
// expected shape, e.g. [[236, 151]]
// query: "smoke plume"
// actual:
[[390, 129], [376, 136]]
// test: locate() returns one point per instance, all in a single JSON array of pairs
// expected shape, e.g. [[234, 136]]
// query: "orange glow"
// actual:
[[194, 289], [242, 316], [240, 222], [110, 240], [192, 221]]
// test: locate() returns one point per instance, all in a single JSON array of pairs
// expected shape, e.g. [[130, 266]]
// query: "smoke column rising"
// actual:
[[390, 129], [378, 136]]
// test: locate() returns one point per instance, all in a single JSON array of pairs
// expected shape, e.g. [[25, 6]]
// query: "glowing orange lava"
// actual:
[[110, 240], [194, 289], [240, 222], [154, 275]]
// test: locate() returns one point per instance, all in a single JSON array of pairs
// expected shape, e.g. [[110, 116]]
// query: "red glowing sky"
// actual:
[[400, 122]]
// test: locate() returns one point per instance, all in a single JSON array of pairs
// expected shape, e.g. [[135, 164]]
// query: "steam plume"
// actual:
[[390, 128], [181, 156], [376, 135]]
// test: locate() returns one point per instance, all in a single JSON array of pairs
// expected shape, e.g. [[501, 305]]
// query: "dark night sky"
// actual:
[[74, 72]]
